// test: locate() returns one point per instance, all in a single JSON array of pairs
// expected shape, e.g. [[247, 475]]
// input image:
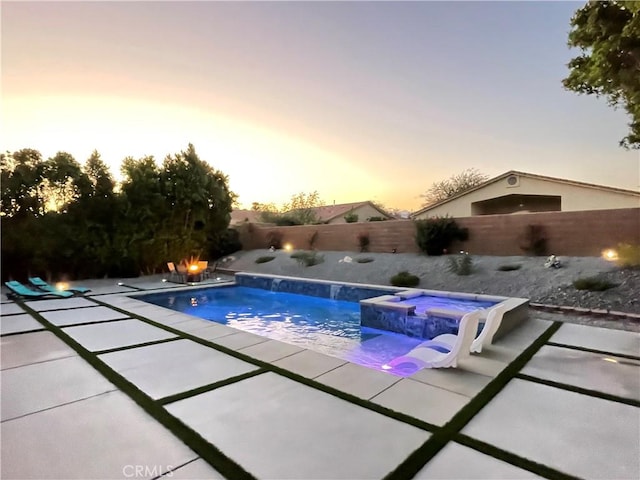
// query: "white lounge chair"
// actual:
[[491, 325], [425, 356]]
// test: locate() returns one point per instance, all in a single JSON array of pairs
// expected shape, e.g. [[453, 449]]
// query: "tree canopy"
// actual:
[[608, 35], [299, 210], [455, 184], [61, 218]]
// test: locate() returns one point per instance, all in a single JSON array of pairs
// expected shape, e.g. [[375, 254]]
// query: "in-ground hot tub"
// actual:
[[429, 313]]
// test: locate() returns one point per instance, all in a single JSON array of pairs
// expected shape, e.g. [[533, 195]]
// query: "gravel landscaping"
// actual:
[[551, 286]]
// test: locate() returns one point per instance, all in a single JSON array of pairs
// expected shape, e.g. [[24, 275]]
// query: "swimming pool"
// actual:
[[322, 324]]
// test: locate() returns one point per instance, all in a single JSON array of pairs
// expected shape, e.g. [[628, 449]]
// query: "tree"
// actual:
[[453, 185], [301, 208], [22, 174], [608, 35]]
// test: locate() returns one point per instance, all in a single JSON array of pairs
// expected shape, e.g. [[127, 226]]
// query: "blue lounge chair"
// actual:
[[19, 290], [44, 286]]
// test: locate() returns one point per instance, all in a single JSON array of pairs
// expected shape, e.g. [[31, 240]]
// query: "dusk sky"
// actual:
[[357, 100]]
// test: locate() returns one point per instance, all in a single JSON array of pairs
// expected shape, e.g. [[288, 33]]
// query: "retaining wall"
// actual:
[[584, 233]]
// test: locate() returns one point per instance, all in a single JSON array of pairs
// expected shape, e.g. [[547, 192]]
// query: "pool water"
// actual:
[[329, 326]]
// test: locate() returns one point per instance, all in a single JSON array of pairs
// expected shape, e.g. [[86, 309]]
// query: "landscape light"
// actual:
[[610, 254], [62, 286], [288, 247]]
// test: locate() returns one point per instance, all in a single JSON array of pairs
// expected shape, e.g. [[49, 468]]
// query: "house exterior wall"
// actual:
[[584, 233], [574, 197], [363, 212]]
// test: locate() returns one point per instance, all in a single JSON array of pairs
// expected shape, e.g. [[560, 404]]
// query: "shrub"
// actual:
[[404, 279], [226, 243], [461, 264], [351, 217], [313, 238], [509, 267], [364, 260], [533, 240], [364, 241], [264, 259], [628, 255], [308, 259], [435, 235], [376, 219], [274, 239], [593, 284]]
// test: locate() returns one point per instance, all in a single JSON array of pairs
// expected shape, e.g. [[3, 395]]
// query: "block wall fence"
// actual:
[[584, 233]]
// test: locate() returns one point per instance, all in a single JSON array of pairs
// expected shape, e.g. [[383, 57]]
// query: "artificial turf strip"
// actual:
[[583, 391], [512, 458], [136, 345], [206, 388], [268, 367], [593, 350], [20, 333], [207, 451], [423, 454]]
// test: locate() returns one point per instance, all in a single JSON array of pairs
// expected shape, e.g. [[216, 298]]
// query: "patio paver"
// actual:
[[596, 338], [30, 348], [455, 462], [35, 387], [431, 404], [10, 309], [235, 341], [574, 433], [169, 368], [60, 303], [309, 364], [82, 315], [104, 336], [457, 380], [271, 350], [193, 325], [277, 428], [357, 380], [593, 371], [19, 323], [104, 436]]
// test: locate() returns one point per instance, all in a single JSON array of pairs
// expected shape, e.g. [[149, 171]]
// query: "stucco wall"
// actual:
[[568, 233], [574, 198]]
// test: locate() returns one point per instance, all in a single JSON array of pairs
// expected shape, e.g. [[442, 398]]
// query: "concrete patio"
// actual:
[[107, 386]]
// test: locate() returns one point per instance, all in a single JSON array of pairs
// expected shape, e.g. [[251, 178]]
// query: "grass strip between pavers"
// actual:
[[593, 350], [423, 454], [202, 447], [268, 367], [135, 345], [584, 391], [207, 388], [20, 333], [512, 458]]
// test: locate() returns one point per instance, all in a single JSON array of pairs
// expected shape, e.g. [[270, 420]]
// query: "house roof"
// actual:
[[239, 216], [327, 213], [528, 175]]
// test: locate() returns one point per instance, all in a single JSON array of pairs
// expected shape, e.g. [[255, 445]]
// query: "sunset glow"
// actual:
[[356, 100]]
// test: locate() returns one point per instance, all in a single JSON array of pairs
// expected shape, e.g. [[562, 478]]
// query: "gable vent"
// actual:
[[513, 181]]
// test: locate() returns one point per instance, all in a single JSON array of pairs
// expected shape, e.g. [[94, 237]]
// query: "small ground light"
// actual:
[[62, 286], [610, 254], [288, 247]]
